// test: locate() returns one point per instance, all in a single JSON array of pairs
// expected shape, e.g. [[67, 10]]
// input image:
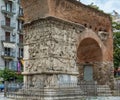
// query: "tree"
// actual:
[[116, 38], [9, 75]]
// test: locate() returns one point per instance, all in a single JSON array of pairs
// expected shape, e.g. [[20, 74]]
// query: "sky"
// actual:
[[106, 5]]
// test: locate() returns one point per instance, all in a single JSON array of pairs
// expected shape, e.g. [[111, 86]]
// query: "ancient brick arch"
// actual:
[[89, 51], [49, 27]]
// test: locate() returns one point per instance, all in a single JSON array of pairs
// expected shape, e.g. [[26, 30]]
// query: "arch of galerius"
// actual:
[[65, 40]]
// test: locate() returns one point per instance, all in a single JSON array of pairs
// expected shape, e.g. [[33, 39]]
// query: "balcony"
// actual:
[[20, 17], [9, 0], [8, 39], [20, 14], [8, 42], [20, 31], [20, 57], [7, 25], [8, 55], [20, 44], [6, 11]]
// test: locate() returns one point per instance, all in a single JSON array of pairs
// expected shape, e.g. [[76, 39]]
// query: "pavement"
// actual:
[[2, 96], [103, 98], [89, 98]]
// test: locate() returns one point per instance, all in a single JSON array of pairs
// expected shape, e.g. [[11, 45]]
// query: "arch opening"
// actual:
[[89, 51]]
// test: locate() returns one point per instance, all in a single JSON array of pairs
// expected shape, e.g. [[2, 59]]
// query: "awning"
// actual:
[[8, 45]]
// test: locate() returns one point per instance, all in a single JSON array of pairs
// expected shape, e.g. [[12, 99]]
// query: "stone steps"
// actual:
[[71, 93], [104, 90], [50, 98]]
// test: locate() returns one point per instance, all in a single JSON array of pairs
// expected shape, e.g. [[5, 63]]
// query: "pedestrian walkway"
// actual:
[[103, 98], [89, 98], [2, 97]]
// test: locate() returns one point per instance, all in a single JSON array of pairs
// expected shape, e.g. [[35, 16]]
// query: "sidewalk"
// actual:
[[103, 98], [2, 96]]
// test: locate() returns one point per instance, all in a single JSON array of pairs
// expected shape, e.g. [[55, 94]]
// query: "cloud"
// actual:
[[110, 5], [106, 5]]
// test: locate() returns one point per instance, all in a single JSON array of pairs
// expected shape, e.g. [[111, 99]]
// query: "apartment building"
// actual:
[[11, 37], [116, 16]]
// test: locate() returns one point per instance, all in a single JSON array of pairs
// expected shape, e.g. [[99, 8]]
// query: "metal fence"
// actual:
[[71, 91], [117, 88]]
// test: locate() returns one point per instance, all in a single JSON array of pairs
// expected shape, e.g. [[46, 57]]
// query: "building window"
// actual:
[[8, 7], [20, 38], [20, 11], [7, 51], [7, 21], [18, 1], [20, 52], [7, 36], [20, 23], [7, 64]]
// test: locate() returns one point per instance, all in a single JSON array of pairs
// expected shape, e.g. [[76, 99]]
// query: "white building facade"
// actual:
[[116, 17], [11, 37]]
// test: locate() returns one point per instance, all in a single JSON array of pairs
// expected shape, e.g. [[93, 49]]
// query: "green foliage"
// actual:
[[8, 75], [116, 26], [19, 78], [116, 37], [95, 7]]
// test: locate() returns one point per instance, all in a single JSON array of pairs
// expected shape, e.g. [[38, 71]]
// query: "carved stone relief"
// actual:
[[52, 48]]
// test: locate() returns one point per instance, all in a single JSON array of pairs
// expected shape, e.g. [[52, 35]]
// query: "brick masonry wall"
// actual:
[[69, 10], [79, 13], [73, 11], [34, 9]]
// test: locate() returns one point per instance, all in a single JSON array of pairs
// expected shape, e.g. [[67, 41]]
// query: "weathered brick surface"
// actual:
[[74, 36], [34, 9], [69, 10], [73, 11]]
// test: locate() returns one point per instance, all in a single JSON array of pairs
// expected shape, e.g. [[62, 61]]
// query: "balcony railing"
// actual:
[[20, 43], [8, 25], [9, 0], [8, 39], [20, 31], [10, 12], [8, 55], [20, 56]]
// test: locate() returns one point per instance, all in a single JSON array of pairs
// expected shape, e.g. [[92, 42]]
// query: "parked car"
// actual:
[[1, 87]]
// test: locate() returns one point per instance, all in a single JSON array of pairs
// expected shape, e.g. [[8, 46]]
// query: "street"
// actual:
[[2, 96]]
